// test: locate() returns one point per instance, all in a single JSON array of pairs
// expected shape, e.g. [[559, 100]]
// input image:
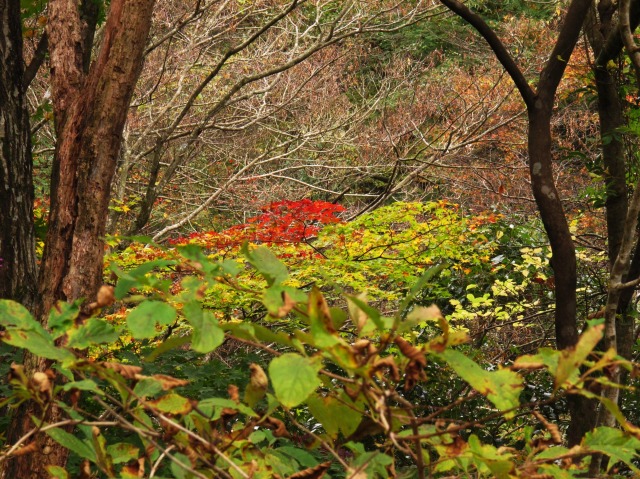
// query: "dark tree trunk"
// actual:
[[90, 111], [540, 109], [17, 243]]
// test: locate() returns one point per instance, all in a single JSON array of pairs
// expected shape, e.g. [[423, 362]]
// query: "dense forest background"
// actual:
[[307, 239]]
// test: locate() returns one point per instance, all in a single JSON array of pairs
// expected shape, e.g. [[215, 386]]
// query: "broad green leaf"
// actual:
[[294, 378], [178, 466], [300, 455], [207, 335], [62, 318], [83, 385], [147, 387], [553, 452], [81, 448], [615, 444], [334, 415], [142, 320], [57, 472], [39, 343], [122, 452], [501, 387], [136, 277], [572, 358], [322, 330], [171, 403], [212, 407], [496, 461], [267, 264], [94, 331], [14, 315], [546, 357]]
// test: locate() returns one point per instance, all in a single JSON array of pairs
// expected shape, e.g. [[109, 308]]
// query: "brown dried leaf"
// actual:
[[315, 472], [127, 371], [26, 449], [551, 427], [410, 351], [387, 363], [289, 304], [277, 426], [234, 392], [169, 382]]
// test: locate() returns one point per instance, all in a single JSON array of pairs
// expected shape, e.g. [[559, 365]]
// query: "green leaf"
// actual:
[[147, 387], [212, 407], [501, 387], [14, 315], [94, 331], [136, 277], [39, 343], [294, 378], [171, 403], [179, 471], [72, 443], [207, 335], [334, 415], [122, 452], [142, 320], [498, 462], [300, 455], [267, 264], [572, 358], [615, 444], [62, 318], [57, 472], [83, 385]]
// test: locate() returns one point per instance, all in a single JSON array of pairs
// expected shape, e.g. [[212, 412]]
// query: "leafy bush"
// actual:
[[332, 390]]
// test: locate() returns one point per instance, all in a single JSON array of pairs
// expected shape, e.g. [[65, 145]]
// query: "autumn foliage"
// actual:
[[279, 223]]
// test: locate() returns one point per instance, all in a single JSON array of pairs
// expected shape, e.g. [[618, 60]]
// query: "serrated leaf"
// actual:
[[294, 378], [501, 387], [615, 444], [142, 320]]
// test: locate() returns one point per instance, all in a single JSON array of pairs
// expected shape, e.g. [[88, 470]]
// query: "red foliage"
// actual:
[[280, 222]]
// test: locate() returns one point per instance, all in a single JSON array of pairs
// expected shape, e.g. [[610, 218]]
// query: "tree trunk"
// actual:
[[90, 111], [540, 108], [17, 239]]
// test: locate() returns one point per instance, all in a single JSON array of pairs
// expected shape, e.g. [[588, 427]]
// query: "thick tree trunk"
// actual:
[[90, 111], [17, 246]]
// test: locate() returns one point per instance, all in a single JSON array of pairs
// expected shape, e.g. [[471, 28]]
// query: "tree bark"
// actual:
[[540, 104], [90, 112], [17, 238]]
